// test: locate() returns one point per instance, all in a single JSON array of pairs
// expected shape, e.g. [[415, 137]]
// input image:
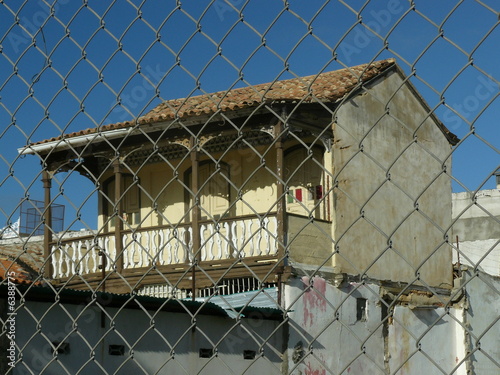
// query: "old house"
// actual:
[[334, 189], [240, 183]]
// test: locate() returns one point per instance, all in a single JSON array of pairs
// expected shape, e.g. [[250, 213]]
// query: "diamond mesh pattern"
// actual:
[[249, 187]]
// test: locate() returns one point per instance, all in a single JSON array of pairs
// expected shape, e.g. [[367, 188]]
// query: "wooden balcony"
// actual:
[[198, 181], [229, 247]]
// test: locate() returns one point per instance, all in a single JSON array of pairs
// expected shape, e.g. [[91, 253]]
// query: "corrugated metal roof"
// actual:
[[71, 296], [246, 302]]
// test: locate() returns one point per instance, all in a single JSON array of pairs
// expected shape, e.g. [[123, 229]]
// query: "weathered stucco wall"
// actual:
[[165, 186], [417, 334], [427, 340], [252, 176], [482, 324], [170, 348], [478, 215], [388, 161], [325, 320], [310, 242]]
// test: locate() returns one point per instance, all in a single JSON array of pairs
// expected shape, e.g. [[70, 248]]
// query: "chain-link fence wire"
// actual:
[[293, 213]]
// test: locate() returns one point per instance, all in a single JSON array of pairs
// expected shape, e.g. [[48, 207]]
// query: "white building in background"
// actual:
[[10, 231], [476, 236], [477, 229]]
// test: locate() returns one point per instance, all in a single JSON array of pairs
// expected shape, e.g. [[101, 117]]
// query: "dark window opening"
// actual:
[[206, 353], [116, 350], [361, 304], [249, 354]]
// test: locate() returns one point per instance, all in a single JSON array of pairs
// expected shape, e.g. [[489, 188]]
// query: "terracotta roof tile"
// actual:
[[325, 87], [17, 273]]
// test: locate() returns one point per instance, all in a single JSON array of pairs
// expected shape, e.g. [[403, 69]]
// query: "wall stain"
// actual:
[[314, 299]]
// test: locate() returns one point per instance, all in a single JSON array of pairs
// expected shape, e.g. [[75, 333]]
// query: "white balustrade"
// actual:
[[237, 238], [81, 256], [240, 238]]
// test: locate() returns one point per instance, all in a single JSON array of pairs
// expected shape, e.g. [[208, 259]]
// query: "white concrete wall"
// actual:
[[325, 335], [477, 227], [427, 341], [324, 320], [483, 326], [485, 203], [415, 338], [485, 254], [161, 343]]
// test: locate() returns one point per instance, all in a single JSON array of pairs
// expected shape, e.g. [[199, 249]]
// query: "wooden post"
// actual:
[[119, 219], [47, 216], [195, 216], [280, 190], [281, 205]]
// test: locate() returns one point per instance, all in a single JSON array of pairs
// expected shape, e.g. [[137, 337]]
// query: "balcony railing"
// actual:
[[240, 237]]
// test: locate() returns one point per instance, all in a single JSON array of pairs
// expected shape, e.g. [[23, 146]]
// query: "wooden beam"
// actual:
[[47, 216], [195, 213], [264, 268], [117, 169], [279, 132], [280, 191]]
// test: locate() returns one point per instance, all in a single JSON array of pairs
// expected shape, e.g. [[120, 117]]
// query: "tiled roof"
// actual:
[[29, 252], [324, 87], [16, 273]]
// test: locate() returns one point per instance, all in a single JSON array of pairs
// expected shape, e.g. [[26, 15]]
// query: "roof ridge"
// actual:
[[380, 65]]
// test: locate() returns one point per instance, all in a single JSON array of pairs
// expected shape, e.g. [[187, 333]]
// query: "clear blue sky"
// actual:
[[455, 57]]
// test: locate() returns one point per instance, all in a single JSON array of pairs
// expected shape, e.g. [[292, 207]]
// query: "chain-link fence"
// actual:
[[243, 187]]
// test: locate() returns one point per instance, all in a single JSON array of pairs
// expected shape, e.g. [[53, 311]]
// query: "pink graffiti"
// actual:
[[314, 299], [310, 371]]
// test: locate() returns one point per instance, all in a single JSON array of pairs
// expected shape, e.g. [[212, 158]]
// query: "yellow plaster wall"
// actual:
[[253, 190], [163, 186]]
